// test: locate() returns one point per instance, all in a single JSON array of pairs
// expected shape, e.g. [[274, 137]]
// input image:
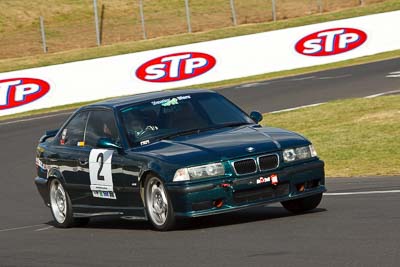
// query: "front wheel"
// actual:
[[301, 205], [158, 204]]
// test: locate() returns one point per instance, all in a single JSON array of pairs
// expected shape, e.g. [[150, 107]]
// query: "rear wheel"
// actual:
[[302, 204], [158, 204], [60, 205]]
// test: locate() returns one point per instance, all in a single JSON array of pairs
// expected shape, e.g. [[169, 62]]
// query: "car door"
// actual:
[[62, 154], [101, 170]]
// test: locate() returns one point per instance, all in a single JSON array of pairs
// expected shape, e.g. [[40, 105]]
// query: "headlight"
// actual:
[[299, 153], [199, 172]]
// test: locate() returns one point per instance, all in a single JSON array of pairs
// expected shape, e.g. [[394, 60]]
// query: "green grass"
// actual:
[[161, 42], [355, 137]]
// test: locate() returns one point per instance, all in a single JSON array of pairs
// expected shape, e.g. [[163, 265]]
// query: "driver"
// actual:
[[136, 126]]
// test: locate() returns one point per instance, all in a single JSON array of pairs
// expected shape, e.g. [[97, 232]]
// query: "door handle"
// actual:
[[83, 162]]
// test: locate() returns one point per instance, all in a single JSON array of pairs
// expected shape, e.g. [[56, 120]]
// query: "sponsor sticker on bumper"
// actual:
[[273, 179]]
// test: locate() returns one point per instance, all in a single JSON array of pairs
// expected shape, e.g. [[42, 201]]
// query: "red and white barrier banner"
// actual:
[[198, 63]]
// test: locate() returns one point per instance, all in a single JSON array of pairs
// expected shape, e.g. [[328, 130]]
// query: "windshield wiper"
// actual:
[[196, 131], [235, 124], [187, 132], [224, 125]]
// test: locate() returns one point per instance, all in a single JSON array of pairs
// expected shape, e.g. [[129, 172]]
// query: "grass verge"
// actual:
[[355, 137], [136, 46]]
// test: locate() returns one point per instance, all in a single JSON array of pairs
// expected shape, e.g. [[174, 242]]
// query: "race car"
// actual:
[[167, 155]]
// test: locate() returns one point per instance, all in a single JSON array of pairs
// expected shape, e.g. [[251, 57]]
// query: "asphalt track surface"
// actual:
[[356, 229]]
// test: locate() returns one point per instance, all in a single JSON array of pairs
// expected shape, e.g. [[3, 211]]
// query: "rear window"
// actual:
[[73, 132]]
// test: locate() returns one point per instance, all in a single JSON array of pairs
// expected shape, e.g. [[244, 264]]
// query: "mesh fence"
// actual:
[[253, 11], [164, 17], [210, 14], [70, 24], [339, 4], [290, 9]]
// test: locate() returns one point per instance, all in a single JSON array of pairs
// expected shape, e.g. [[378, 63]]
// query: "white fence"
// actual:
[[198, 63]]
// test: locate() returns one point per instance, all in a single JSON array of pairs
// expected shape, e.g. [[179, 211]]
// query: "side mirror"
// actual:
[[47, 135], [106, 142], [256, 116]]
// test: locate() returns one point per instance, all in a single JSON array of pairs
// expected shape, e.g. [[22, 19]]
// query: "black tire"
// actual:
[[163, 220], [301, 205], [63, 217]]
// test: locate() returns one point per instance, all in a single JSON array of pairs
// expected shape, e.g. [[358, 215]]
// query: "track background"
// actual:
[[349, 230]]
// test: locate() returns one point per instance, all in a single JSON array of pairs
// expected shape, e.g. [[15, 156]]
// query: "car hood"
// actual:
[[222, 144]]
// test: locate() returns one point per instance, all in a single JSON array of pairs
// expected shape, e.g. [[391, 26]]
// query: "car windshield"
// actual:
[[185, 114]]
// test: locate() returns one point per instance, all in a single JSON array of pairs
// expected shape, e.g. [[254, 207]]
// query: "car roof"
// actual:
[[132, 99]]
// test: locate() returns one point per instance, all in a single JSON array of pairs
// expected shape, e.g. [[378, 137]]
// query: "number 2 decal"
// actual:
[[101, 158], [101, 181]]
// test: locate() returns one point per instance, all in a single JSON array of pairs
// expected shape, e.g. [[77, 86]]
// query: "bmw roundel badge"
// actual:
[[250, 149]]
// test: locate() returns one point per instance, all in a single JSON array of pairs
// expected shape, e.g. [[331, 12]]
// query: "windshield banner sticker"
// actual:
[[173, 101], [170, 101]]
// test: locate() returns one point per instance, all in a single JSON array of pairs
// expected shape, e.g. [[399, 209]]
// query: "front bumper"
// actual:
[[230, 194]]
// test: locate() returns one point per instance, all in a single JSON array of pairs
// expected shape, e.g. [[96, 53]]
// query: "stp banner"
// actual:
[[198, 63]]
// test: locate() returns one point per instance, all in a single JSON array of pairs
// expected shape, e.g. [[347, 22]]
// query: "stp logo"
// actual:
[[175, 67], [21, 91], [331, 42]]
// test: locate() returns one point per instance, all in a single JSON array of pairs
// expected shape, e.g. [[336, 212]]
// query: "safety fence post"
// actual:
[[96, 22], [320, 6], [274, 10], [142, 19], [234, 21], [189, 25], [43, 34]]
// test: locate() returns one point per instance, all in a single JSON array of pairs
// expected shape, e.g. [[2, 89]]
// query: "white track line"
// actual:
[[249, 85], [42, 229], [35, 118], [295, 108], [362, 193], [304, 78], [318, 104], [20, 228], [381, 94], [394, 74], [325, 194], [334, 77]]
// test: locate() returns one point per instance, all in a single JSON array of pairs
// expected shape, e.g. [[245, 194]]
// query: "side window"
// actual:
[[73, 132], [101, 124]]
